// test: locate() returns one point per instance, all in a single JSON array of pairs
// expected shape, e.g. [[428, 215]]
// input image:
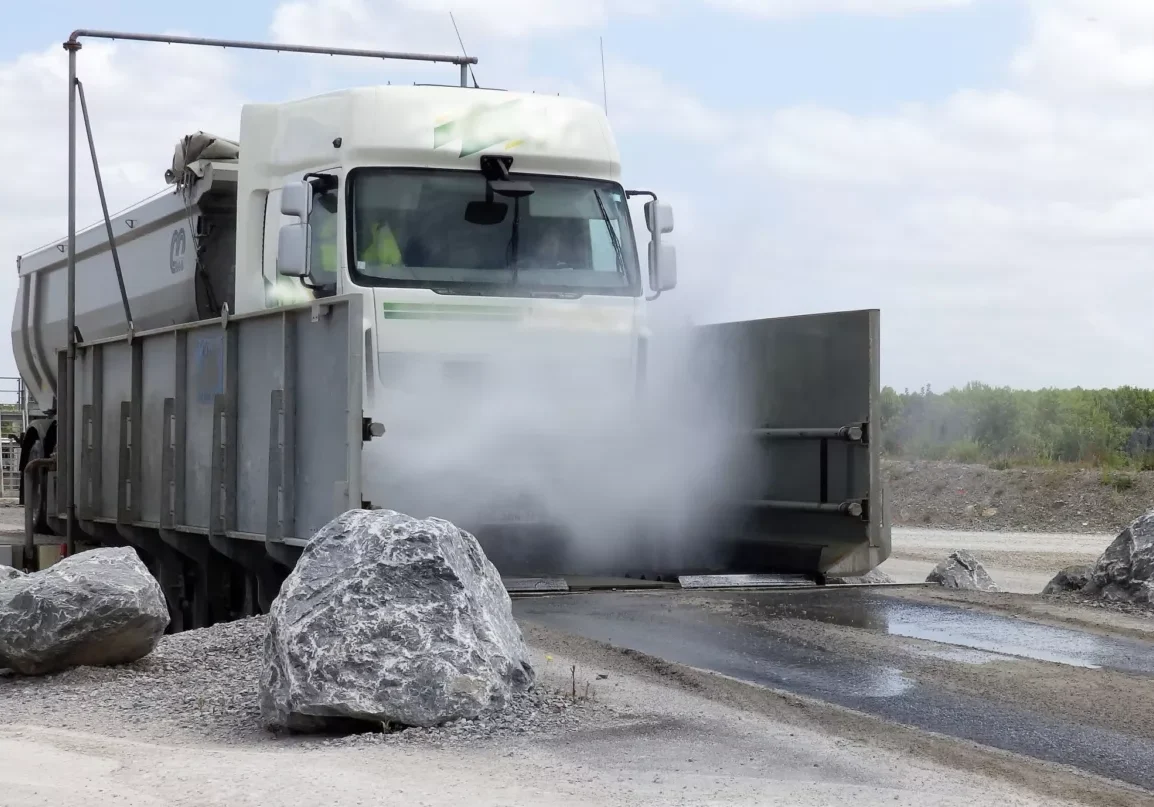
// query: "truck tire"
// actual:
[[35, 447]]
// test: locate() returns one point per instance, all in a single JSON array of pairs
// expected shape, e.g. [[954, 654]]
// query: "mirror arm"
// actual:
[[322, 182]]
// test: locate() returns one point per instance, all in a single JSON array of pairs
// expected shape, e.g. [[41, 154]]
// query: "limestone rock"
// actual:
[[97, 608], [962, 570], [1072, 578], [390, 619], [1125, 571], [873, 576]]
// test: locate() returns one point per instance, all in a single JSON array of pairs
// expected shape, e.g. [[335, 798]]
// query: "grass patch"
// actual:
[[1119, 480], [966, 452]]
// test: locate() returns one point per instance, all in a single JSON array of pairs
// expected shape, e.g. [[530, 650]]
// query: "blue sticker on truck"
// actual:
[[208, 368]]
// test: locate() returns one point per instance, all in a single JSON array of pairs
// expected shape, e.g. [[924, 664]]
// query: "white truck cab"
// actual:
[[447, 207], [482, 227]]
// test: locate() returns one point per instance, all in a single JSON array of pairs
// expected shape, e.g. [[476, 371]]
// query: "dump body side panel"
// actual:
[[176, 253], [240, 428]]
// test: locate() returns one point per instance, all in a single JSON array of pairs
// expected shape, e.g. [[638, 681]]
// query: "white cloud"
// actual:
[[142, 100], [654, 105], [1089, 46], [797, 8], [425, 26], [501, 32], [1007, 234]]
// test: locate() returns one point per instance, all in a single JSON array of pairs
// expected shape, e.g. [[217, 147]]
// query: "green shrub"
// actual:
[[1118, 480], [965, 451], [1003, 427]]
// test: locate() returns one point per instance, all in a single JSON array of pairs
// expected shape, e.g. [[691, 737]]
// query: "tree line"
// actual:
[[980, 423]]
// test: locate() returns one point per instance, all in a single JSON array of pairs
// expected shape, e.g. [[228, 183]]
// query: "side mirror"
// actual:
[[296, 199], [659, 218], [662, 267], [662, 256], [294, 249], [294, 242]]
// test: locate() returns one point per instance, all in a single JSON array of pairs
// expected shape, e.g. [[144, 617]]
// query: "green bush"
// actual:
[[1003, 427], [967, 451], [1118, 480]]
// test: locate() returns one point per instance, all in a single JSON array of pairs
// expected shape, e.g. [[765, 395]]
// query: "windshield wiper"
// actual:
[[617, 251]]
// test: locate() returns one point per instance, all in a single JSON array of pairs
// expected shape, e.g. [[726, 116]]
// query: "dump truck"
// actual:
[[388, 296]]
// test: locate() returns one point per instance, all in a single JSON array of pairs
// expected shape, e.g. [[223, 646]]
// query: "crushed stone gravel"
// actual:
[[948, 495], [203, 685], [1091, 601]]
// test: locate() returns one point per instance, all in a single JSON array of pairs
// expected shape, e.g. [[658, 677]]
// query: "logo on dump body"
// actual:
[[487, 125], [176, 250]]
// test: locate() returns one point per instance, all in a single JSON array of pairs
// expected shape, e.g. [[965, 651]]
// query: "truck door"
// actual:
[[325, 254]]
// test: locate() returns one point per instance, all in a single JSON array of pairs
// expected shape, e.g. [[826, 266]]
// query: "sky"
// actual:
[[981, 171]]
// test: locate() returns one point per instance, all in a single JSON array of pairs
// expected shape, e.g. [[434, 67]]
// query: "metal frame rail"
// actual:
[[73, 45], [852, 433]]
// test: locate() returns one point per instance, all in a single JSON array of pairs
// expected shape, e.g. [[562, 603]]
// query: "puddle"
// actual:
[[881, 682], [703, 639], [960, 655], [731, 633], [1006, 639], [946, 625]]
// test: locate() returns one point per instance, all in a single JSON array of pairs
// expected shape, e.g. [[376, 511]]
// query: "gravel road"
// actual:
[[656, 734], [1019, 562], [182, 727], [203, 684]]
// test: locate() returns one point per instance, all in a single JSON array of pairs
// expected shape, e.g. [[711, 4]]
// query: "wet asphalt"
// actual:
[[680, 629]]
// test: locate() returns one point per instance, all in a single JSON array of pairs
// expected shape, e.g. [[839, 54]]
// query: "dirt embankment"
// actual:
[[975, 497]]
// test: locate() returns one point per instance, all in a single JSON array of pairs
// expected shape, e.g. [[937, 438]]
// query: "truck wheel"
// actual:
[[35, 448], [28, 443]]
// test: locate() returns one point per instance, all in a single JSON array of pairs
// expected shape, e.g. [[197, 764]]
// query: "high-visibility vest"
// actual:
[[383, 249], [327, 235]]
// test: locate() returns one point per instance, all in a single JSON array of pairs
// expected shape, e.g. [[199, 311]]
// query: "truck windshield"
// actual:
[[439, 229]]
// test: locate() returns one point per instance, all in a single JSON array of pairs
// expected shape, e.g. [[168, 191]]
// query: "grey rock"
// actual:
[[1072, 578], [962, 570], [1125, 571], [873, 576], [97, 608], [8, 573], [392, 620]]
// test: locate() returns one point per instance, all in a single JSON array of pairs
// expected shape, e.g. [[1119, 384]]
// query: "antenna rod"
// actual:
[[465, 53], [604, 85]]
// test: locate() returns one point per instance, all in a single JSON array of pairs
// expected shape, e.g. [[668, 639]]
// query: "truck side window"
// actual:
[[324, 259]]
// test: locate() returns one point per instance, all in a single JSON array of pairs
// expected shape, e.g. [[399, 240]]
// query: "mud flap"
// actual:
[[807, 495]]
